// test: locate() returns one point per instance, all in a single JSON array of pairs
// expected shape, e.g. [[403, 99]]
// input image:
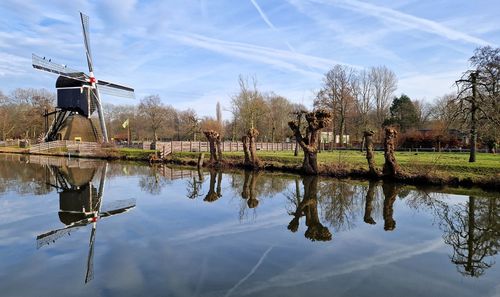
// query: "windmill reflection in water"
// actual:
[[80, 204]]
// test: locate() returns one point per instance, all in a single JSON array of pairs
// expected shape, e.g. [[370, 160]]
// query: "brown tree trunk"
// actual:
[[368, 140], [201, 156], [212, 137], [390, 193], [219, 148], [252, 134], [246, 150], [391, 167], [473, 120], [310, 163]]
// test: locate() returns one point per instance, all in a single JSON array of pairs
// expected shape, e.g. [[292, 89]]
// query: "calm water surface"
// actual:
[[89, 228]]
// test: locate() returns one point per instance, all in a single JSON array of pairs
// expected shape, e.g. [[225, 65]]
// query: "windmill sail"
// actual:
[[86, 40], [89, 275], [49, 66], [52, 236], [115, 89]]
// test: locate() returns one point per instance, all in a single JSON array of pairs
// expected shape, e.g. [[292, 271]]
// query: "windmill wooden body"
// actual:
[[78, 97]]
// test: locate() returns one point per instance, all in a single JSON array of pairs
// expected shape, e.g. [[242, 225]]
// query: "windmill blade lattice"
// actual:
[[60, 69], [86, 40]]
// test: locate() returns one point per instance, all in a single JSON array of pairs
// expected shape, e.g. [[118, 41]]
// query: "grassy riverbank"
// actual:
[[435, 167], [104, 153]]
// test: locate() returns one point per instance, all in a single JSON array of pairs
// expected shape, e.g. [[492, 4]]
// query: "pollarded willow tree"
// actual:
[[316, 120], [214, 141]]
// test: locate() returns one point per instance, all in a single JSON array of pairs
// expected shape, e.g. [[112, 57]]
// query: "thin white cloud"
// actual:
[[406, 20], [345, 34], [268, 22], [283, 59], [263, 15]]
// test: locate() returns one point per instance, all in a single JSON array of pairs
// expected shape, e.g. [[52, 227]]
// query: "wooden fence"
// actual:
[[166, 148], [80, 147], [9, 143]]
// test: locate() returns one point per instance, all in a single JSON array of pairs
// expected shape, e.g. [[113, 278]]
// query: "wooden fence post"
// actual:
[[190, 146]]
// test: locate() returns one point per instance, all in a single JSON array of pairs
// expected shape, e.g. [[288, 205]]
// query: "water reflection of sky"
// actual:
[[169, 245]]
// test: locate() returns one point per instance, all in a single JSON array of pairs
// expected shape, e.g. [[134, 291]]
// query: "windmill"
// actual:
[[80, 205], [78, 97]]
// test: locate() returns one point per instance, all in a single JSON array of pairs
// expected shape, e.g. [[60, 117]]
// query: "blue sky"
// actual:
[[191, 52]]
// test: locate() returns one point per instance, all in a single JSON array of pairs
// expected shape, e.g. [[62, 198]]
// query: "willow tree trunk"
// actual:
[[316, 121], [310, 162], [252, 134], [219, 148], [212, 137], [246, 151], [391, 167], [368, 140]]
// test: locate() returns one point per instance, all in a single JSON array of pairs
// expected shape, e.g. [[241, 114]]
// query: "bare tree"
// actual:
[[248, 106], [384, 83], [479, 94], [337, 94], [153, 109], [363, 98]]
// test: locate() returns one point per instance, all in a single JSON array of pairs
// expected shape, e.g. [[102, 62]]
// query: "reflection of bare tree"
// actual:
[[472, 229], [213, 193], [338, 203], [308, 207], [153, 182], [194, 184], [390, 193], [370, 195]]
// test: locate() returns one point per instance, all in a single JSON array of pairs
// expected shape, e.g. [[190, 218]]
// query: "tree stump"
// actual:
[[391, 167], [368, 140]]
